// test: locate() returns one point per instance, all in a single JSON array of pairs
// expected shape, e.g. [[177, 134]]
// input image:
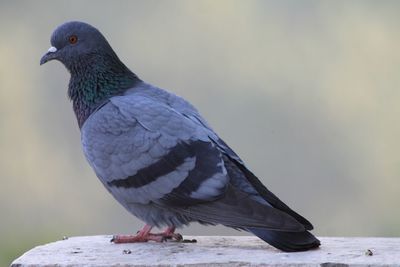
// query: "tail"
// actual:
[[287, 241]]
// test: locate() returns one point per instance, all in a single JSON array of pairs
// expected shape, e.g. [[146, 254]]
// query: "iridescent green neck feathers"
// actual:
[[95, 79]]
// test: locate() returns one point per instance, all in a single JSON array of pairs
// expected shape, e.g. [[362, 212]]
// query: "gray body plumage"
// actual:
[[155, 153], [144, 127]]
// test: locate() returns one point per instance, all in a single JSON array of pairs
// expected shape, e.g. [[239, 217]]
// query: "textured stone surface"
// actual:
[[211, 251]]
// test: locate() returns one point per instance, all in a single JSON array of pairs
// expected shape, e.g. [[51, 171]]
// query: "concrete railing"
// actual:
[[211, 251]]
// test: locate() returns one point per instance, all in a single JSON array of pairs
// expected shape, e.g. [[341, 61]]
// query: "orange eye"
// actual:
[[73, 39]]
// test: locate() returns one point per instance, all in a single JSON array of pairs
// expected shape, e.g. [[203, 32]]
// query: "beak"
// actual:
[[50, 55]]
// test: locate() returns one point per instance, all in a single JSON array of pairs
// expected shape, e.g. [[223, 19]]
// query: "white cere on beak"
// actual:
[[52, 49]]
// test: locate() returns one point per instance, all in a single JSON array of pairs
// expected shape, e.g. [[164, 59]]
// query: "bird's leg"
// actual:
[[142, 236], [169, 233]]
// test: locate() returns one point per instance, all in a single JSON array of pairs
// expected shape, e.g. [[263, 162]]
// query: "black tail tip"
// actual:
[[287, 241]]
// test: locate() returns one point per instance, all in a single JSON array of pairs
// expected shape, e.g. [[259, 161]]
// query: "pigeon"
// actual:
[[158, 157]]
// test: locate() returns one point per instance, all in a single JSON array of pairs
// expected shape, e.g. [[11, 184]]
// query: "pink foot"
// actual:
[[169, 233], [144, 235]]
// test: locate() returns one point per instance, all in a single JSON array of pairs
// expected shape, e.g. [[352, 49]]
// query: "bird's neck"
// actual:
[[94, 80]]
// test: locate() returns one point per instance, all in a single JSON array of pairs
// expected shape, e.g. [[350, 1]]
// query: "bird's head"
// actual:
[[74, 41]]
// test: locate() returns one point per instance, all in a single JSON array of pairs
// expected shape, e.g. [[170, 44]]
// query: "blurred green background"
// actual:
[[306, 92]]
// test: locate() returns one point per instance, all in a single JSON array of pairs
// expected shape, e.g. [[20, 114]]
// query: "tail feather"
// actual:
[[287, 241]]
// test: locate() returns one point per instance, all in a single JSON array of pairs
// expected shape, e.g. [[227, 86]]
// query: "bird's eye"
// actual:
[[73, 39]]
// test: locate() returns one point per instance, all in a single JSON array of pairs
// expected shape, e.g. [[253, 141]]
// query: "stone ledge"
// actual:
[[211, 251]]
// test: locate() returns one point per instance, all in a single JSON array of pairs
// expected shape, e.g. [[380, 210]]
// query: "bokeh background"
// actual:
[[307, 92]]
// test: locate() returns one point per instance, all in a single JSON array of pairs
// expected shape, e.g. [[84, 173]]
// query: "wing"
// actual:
[[143, 151], [146, 152], [240, 174]]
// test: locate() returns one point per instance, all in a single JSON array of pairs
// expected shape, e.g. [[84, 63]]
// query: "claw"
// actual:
[[178, 237]]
